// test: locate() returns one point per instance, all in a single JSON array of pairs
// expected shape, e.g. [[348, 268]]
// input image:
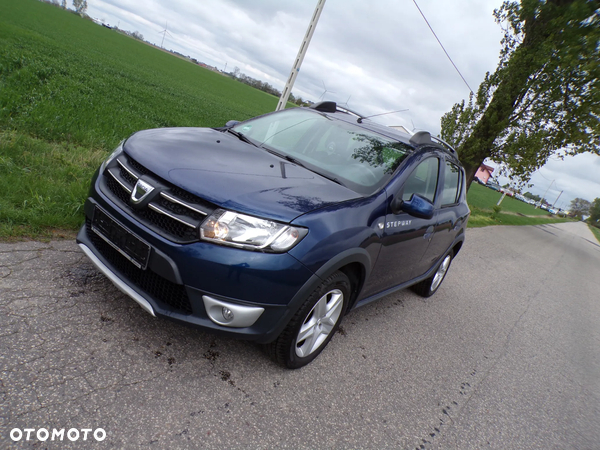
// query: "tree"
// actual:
[[80, 6], [594, 212], [537, 198], [579, 207], [139, 36], [544, 97]]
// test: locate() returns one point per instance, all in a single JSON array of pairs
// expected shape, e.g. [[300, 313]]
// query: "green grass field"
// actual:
[[70, 90], [66, 79], [484, 198], [513, 212]]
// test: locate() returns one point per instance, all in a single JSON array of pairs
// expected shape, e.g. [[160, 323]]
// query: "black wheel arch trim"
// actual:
[[351, 256]]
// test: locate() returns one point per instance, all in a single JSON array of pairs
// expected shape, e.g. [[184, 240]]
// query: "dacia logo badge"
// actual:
[[140, 191]]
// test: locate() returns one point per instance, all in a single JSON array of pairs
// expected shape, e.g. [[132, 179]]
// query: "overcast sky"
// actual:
[[377, 56]]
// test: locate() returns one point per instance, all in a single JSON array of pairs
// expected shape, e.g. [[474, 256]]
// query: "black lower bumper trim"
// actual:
[[169, 293]]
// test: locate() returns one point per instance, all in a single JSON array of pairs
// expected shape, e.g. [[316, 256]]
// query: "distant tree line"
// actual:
[[266, 87], [537, 198], [80, 6]]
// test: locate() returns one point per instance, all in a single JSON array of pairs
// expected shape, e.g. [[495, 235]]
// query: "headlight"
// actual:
[[113, 155], [240, 230]]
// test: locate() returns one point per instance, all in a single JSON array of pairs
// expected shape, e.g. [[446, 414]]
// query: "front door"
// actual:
[[405, 238]]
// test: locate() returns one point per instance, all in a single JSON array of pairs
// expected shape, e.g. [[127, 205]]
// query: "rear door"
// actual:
[[449, 217]]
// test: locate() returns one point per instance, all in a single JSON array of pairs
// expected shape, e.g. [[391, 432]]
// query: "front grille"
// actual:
[[175, 213], [159, 288]]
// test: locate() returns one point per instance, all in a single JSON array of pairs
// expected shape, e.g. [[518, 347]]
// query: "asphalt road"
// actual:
[[505, 356]]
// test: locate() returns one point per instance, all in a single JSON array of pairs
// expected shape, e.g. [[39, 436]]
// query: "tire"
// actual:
[[428, 287], [313, 326]]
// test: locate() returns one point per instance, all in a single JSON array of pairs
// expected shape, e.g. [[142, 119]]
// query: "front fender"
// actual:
[[345, 258]]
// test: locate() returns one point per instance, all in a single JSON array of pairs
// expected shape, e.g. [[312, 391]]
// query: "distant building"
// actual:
[[484, 173]]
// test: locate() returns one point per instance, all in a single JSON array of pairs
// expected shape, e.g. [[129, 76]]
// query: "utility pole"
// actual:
[[501, 198], [285, 94], [557, 198], [544, 196]]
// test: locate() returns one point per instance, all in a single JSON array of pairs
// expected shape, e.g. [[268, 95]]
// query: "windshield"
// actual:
[[359, 159]]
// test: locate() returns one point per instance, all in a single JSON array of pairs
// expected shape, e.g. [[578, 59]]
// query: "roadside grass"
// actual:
[[482, 201], [44, 184], [595, 231], [483, 218]]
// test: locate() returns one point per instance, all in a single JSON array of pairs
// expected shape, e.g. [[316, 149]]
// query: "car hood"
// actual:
[[222, 169]]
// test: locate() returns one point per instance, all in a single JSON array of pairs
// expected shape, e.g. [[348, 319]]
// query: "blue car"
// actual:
[[273, 229]]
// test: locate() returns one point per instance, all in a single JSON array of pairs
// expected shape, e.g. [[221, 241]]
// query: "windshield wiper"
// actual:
[[329, 177], [241, 136], [282, 155], [298, 163], [293, 160]]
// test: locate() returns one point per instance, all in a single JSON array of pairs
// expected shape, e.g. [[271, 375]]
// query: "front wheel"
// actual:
[[313, 326], [428, 287]]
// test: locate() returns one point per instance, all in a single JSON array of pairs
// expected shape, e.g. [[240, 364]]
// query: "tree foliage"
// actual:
[[80, 6], [579, 207], [594, 212], [544, 97], [537, 198]]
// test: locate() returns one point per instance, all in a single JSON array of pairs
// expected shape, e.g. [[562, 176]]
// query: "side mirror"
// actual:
[[417, 206], [232, 123]]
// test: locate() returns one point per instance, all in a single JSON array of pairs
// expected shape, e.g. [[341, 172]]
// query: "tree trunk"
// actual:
[[470, 171]]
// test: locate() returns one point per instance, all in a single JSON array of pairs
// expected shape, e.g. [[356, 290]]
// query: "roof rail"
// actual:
[[444, 144], [331, 107], [349, 111]]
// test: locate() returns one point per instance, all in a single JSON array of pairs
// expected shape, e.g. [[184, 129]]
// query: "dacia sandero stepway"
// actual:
[[274, 228]]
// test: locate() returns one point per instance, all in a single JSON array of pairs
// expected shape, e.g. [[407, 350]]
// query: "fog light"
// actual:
[[227, 314], [231, 314]]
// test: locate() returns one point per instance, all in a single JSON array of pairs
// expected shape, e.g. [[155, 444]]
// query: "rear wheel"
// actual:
[[428, 287], [315, 323]]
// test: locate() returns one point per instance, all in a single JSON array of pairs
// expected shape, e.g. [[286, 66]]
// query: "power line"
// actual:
[[547, 179], [439, 42]]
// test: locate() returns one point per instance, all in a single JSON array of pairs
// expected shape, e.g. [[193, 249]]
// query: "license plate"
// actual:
[[121, 239]]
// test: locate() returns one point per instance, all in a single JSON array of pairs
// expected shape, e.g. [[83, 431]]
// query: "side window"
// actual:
[[452, 182], [423, 180]]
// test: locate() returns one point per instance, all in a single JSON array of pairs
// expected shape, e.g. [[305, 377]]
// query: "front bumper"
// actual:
[[193, 282]]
